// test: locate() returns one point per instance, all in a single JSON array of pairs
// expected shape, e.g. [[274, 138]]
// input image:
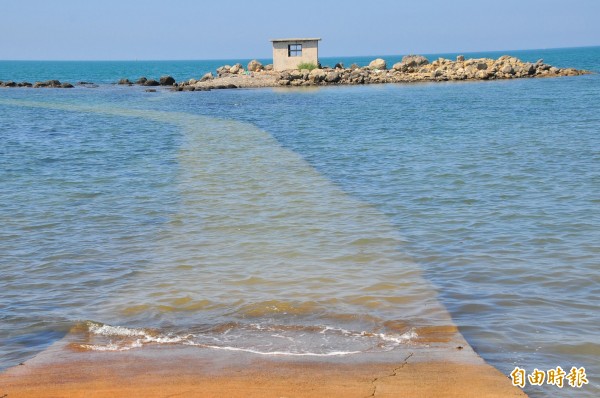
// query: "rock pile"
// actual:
[[46, 84], [168, 81], [415, 68]]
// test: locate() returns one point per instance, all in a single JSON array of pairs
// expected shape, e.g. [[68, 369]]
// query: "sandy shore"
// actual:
[[433, 370]]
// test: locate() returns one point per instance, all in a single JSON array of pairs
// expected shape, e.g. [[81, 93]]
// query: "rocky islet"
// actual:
[[412, 68]]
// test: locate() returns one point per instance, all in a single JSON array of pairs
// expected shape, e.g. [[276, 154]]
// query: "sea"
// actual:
[[312, 222]]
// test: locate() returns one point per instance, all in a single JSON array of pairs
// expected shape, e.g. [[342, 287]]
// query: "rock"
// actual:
[[482, 74], [317, 75], [10, 83], [207, 76], [269, 67], [339, 65], [191, 82], [460, 58], [296, 74], [141, 80], [254, 66], [151, 82], [333, 77], [378, 64], [400, 67], [414, 60], [235, 69], [354, 66], [166, 81], [482, 65], [529, 68], [507, 69], [66, 85], [150, 90], [223, 70], [124, 81]]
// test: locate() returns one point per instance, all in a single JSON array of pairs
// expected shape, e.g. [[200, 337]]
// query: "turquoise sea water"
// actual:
[[304, 221]]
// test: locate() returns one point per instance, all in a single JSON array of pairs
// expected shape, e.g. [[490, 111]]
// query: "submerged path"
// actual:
[[240, 193]]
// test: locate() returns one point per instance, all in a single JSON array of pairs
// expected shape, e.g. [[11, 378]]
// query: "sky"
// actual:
[[194, 30]]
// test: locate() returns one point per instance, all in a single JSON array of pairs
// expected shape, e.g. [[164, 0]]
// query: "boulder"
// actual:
[[66, 85], [378, 64], [317, 75], [141, 80], [333, 77], [191, 82], [235, 69], [339, 65], [10, 83], [150, 90], [400, 67], [460, 58], [354, 66], [223, 69], [254, 66], [482, 66], [207, 76], [166, 81], [529, 68], [414, 60], [507, 69], [151, 83], [296, 74], [124, 81], [482, 74], [269, 67]]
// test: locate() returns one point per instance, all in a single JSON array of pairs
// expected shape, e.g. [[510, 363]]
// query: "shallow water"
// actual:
[[319, 221]]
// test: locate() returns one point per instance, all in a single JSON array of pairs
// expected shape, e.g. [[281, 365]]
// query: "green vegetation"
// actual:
[[307, 65]]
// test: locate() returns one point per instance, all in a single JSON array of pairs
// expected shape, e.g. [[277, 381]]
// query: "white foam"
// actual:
[[108, 330], [399, 339], [276, 353]]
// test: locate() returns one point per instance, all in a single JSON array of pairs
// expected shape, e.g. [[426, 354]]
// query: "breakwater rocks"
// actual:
[[412, 68], [415, 68], [46, 84]]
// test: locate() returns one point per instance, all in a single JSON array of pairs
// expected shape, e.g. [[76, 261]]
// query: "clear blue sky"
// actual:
[[187, 29]]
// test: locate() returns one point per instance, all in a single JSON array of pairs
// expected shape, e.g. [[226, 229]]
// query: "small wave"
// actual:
[[254, 338]]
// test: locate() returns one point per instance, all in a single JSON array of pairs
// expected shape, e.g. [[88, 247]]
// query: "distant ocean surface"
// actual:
[[308, 222]]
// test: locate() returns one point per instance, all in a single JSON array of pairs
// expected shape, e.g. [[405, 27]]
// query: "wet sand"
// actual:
[[432, 370]]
